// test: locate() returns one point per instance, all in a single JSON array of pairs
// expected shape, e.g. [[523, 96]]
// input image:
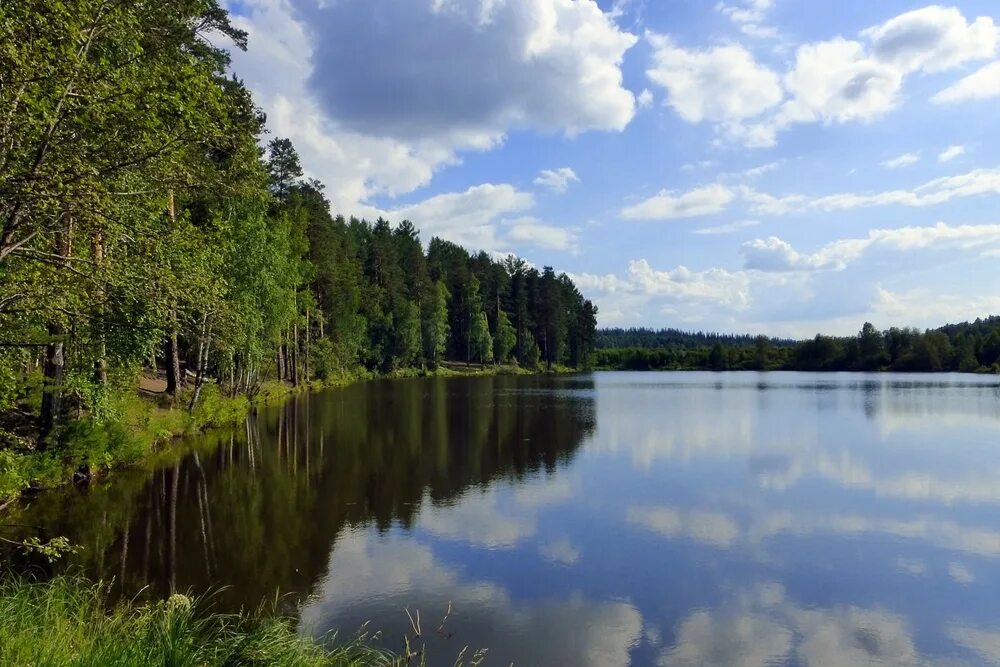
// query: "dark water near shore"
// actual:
[[606, 519]]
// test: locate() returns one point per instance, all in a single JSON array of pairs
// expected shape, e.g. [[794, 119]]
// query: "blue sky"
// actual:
[[763, 166]]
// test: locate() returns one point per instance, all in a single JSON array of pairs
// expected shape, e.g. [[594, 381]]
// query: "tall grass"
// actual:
[[67, 621]]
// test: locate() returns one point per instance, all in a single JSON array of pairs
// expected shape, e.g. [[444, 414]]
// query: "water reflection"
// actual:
[[613, 519], [377, 576], [258, 509]]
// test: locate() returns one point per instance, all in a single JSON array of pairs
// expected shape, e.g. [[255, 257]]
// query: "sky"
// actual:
[[784, 167]]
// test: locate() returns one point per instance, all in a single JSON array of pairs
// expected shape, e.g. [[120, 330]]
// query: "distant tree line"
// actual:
[[968, 347], [653, 339], [142, 226]]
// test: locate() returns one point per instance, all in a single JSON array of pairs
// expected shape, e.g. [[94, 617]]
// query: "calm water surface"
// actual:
[[607, 519]]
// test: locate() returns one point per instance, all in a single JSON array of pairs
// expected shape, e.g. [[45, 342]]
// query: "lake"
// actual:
[[604, 519]]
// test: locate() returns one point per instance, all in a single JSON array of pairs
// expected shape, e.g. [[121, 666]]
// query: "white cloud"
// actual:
[[760, 170], [980, 85], [938, 191], [837, 81], [952, 152], [645, 98], [904, 160], [783, 290], [670, 205], [531, 231], [842, 80], [557, 180], [932, 39], [729, 228], [722, 84], [774, 254], [751, 11], [385, 123], [749, 17], [469, 218], [986, 643]]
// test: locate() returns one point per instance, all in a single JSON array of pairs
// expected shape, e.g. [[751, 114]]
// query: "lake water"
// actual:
[[606, 519]]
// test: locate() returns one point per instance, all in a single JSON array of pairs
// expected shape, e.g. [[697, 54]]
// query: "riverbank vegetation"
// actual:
[[149, 242], [67, 621], [969, 347]]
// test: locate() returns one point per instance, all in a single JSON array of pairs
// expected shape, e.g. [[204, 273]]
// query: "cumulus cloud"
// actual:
[[952, 152], [784, 289], [382, 120], [531, 231], [838, 80], [469, 218], [645, 98], [932, 39], [553, 65], [557, 180], [669, 205], [900, 161], [980, 85], [721, 84]]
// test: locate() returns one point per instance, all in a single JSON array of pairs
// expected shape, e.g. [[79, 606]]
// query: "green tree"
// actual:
[[435, 325], [482, 341], [505, 338]]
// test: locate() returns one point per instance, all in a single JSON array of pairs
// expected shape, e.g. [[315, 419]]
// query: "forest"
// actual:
[[968, 347], [151, 229]]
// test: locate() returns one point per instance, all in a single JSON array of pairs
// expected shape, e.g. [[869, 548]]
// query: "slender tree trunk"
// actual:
[[55, 364], [171, 356], [308, 330], [52, 393], [204, 344], [100, 362], [295, 355], [172, 360]]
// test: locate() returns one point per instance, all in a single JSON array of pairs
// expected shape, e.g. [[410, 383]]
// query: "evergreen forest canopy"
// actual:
[[143, 227], [968, 347]]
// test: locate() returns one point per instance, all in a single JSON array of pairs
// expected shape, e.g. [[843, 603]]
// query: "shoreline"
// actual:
[[148, 429]]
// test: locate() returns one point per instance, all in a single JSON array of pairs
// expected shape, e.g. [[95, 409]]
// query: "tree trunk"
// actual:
[[171, 356], [173, 363], [55, 362], [52, 393], [100, 362], [306, 361], [295, 355]]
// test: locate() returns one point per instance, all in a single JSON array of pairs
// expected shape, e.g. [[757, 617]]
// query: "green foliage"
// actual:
[[67, 621], [505, 339], [482, 342], [144, 236]]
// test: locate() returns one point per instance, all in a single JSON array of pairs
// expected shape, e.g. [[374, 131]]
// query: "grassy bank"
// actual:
[[68, 621], [137, 428]]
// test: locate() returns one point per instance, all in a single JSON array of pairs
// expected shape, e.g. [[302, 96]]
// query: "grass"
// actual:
[[130, 430], [68, 621]]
